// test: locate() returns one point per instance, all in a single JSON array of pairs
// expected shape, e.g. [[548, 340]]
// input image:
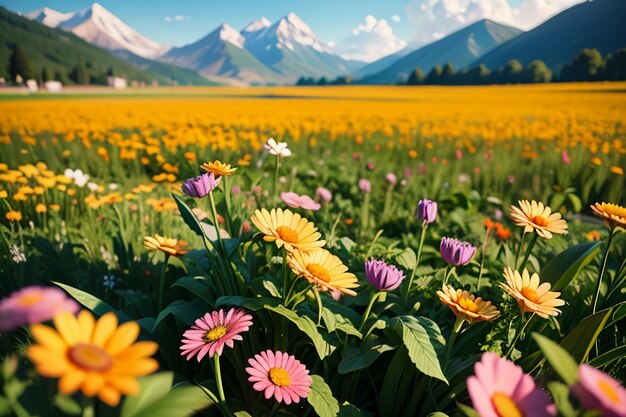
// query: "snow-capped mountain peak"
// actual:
[[257, 25], [229, 34], [49, 17], [291, 29], [99, 26]]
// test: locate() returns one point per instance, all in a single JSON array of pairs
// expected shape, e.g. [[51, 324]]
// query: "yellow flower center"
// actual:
[[90, 357], [505, 406], [280, 377], [529, 294], [540, 221], [468, 304], [217, 333], [287, 234], [318, 271], [609, 391], [29, 299]]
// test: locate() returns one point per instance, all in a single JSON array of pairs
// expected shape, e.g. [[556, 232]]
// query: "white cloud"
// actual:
[[433, 19], [395, 18], [177, 18], [331, 44], [370, 41]]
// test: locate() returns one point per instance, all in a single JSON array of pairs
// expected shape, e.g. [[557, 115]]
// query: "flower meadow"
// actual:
[[347, 252]]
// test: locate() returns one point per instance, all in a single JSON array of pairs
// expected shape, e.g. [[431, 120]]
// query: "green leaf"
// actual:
[[94, 304], [580, 340], [68, 405], [250, 303], [198, 286], [181, 401], [559, 359], [419, 343], [564, 267], [361, 357], [308, 327], [335, 322], [185, 311], [152, 388], [190, 219], [560, 395], [407, 259], [348, 410], [437, 414], [608, 357], [321, 398], [467, 410]]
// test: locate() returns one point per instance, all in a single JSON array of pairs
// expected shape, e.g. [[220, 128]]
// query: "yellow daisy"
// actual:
[[532, 297], [323, 269], [466, 306], [613, 214], [534, 216], [218, 168], [287, 229], [168, 245], [99, 358]]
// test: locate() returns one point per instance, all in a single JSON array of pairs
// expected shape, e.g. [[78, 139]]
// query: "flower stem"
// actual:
[[368, 310], [528, 251], [319, 305], [275, 186], [417, 261], [523, 325], [89, 407], [458, 324], [285, 273], [216, 224], [365, 214], [162, 281], [519, 248], [482, 260], [449, 271], [218, 378], [605, 258]]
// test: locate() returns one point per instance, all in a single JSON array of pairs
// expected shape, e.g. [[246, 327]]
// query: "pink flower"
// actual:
[[407, 172], [356, 156], [214, 330], [422, 168], [370, 166], [565, 157], [279, 375], [299, 201], [324, 194], [598, 391], [365, 186], [236, 190], [501, 388], [459, 154], [32, 305], [391, 178]]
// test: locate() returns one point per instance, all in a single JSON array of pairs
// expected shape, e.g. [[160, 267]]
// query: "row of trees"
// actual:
[[324, 81], [81, 74], [588, 65]]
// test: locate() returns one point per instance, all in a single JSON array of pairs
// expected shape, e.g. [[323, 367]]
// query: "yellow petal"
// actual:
[[67, 326], [86, 323], [48, 337], [105, 327], [70, 381], [109, 395], [92, 383], [123, 337]]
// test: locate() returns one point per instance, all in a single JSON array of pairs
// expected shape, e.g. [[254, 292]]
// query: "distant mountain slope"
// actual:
[[380, 64], [58, 50], [599, 24], [100, 27], [459, 48], [290, 48], [221, 55]]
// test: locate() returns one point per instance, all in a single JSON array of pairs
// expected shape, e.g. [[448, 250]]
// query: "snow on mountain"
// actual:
[[257, 25], [229, 34], [49, 17], [102, 28]]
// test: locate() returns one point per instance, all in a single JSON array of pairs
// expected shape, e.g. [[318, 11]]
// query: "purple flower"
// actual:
[[391, 178], [426, 211], [200, 186], [381, 276], [455, 252], [299, 201], [365, 186], [324, 194]]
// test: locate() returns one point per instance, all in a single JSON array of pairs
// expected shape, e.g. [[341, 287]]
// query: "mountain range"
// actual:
[[280, 52]]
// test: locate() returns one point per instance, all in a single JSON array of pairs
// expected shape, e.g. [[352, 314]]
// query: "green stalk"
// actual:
[[387, 203], [417, 261], [162, 281], [216, 224], [368, 310], [519, 248], [275, 186], [605, 258], [365, 214], [369, 251], [458, 324], [218, 378], [88, 407], [285, 273], [523, 325], [530, 248], [319, 305], [482, 260]]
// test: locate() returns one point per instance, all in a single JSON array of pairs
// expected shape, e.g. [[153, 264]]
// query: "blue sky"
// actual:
[[331, 20]]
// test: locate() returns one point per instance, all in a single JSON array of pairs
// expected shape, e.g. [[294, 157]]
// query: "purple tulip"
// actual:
[[365, 186], [426, 211], [324, 194], [455, 252], [200, 186], [381, 276]]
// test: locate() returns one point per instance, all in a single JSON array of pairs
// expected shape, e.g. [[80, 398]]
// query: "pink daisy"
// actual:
[[598, 391], [280, 375], [32, 305], [214, 330], [501, 389], [299, 201]]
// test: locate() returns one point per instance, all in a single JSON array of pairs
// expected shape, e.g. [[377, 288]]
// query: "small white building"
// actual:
[[53, 86], [32, 86], [117, 82]]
